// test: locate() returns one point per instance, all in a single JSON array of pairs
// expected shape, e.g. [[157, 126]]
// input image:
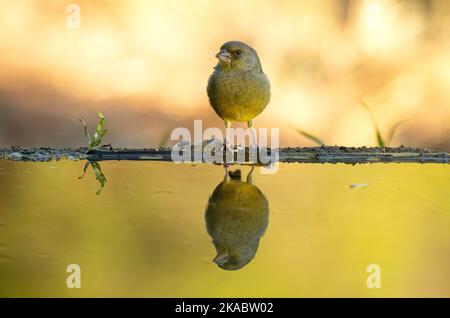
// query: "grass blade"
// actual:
[[393, 130], [86, 133], [310, 136], [165, 138], [380, 141]]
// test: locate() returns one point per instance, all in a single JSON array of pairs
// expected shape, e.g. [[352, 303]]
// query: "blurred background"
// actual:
[[145, 65]]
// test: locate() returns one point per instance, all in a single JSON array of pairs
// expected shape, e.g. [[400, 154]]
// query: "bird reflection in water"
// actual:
[[236, 217]]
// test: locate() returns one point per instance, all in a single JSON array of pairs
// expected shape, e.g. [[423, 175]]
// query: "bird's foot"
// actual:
[[227, 147]]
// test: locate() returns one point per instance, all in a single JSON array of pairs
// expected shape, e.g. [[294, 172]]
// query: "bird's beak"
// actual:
[[224, 56], [221, 258]]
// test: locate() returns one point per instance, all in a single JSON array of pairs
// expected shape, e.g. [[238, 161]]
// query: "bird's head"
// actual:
[[238, 56], [236, 256]]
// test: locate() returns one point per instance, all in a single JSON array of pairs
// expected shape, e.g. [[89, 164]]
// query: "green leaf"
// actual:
[[99, 133], [310, 136], [84, 170], [380, 141], [99, 176]]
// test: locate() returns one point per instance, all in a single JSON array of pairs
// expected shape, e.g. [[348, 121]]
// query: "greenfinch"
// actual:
[[238, 89], [236, 217]]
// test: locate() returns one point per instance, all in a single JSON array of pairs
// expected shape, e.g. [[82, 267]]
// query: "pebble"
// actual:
[[15, 156]]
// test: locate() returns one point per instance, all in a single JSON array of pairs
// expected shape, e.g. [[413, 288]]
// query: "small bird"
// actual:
[[238, 89], [236, 216]]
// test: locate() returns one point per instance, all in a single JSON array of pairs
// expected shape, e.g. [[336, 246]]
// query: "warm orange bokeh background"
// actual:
[[145, 64]]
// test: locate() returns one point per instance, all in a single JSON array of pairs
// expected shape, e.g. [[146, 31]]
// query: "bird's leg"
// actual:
[[226, 142], [253, 142], [249, 175], [226, 177]]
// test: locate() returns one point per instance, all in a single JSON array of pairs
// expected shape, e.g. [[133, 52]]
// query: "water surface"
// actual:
[[146, 235]]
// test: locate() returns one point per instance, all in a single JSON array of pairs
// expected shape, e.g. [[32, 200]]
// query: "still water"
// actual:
[[180, 230]]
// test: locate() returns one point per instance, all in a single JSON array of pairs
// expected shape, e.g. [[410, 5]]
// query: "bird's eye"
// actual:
[[238, 52]]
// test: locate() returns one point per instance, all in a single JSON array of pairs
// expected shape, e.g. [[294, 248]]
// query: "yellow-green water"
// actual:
[[145, 234]]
